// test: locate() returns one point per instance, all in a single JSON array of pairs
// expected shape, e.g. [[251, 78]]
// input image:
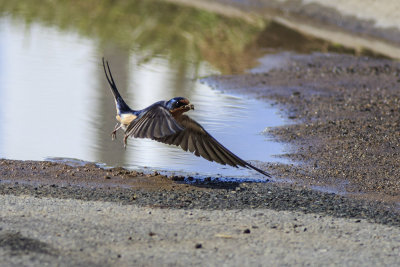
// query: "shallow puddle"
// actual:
[[55, 104], [54, 99]]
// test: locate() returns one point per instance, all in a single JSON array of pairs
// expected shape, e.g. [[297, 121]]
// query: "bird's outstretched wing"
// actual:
[[194, 138], [156, 122]]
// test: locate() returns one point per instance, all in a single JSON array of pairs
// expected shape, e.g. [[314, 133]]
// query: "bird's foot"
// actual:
[[114, 135], [125, 141]]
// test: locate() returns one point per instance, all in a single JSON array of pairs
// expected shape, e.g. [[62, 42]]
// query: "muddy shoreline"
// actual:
[[344, 136], [345, 113]]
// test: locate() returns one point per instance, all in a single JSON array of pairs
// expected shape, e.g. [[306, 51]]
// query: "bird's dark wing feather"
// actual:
[[196, 139], [156, 122]]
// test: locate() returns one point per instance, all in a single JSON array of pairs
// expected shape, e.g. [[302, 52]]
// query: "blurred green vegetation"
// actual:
[[153, 27], [179, 33]]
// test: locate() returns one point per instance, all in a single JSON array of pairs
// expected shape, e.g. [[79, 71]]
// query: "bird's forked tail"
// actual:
[[119, 101]]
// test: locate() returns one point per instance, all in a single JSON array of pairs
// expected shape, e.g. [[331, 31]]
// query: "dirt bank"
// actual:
[[360, 25], [89, 182], [345, 113]]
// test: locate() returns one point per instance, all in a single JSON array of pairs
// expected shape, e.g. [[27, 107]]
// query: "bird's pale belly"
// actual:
[[126, 119]]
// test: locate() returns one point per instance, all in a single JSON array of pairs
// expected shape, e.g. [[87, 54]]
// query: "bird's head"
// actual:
[[178, 105]]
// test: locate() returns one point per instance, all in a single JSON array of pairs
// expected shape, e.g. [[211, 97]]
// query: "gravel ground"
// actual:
[[89, 233], [90, 182]]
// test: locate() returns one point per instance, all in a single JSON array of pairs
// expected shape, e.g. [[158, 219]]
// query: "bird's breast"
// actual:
[[126, 119]]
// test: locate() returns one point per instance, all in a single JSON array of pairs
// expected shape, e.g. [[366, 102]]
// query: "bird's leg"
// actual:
[[114, 133], [125, 141]]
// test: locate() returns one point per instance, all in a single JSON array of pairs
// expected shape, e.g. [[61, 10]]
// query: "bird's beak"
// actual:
[[191, 106]]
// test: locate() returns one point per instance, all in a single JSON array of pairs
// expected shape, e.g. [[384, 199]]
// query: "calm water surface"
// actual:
[[55, 103]]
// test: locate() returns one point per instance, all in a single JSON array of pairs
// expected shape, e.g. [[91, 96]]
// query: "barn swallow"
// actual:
[[165, 122]]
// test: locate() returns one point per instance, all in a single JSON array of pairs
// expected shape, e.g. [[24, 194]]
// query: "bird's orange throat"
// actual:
[[179, 111]]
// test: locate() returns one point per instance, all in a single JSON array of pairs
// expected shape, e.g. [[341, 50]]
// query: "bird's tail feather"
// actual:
[[119, 101], [258, 170]]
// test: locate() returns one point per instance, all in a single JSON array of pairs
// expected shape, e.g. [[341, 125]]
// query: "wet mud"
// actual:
[[90, 182], [345, 112]]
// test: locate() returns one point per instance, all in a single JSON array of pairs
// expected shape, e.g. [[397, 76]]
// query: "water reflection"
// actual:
[[55, 103], [45, 92], [152, 28], [184, 35]]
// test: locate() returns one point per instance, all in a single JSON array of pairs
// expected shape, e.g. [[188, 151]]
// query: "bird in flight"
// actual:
[[165, 122]]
